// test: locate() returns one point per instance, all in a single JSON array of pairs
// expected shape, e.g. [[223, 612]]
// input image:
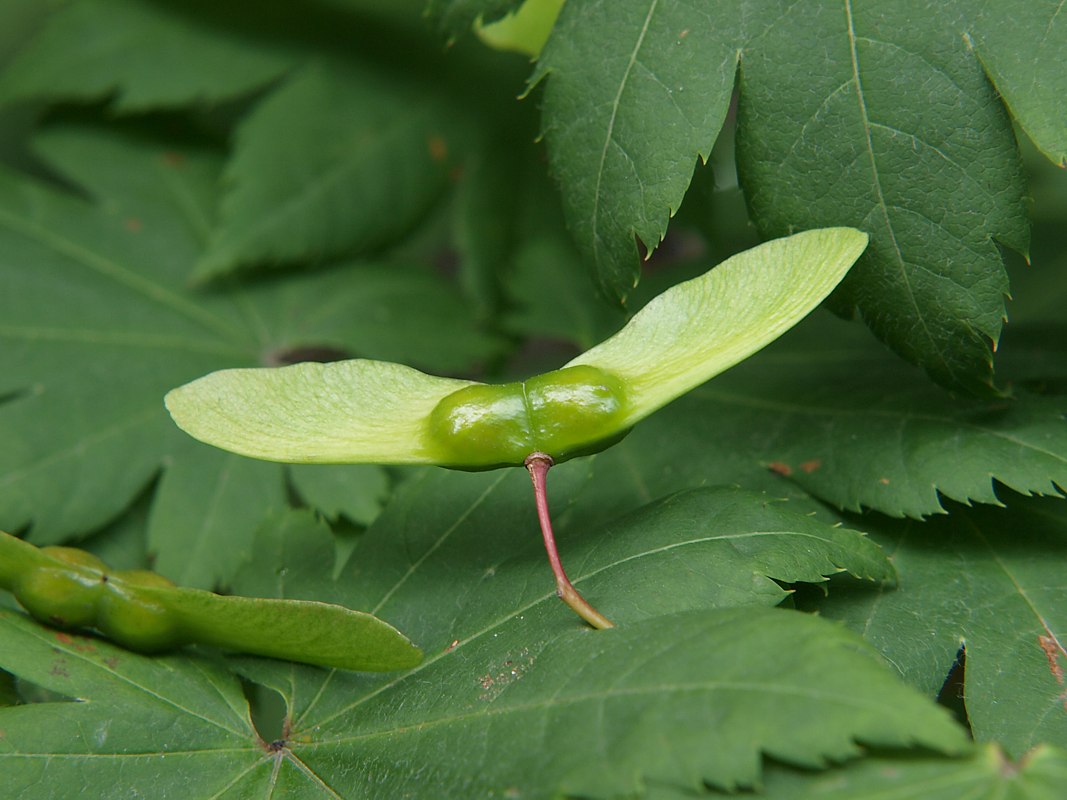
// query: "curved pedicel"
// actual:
[[140, 610]]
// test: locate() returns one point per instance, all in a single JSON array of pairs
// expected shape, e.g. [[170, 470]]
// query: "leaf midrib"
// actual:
[[49, 642], [609, 135], [823, 697], [877, 183], [115, 272], [327, 178], [467, 641]]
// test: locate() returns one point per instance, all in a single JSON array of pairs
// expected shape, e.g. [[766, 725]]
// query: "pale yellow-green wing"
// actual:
[[699, 328], [349, 412]]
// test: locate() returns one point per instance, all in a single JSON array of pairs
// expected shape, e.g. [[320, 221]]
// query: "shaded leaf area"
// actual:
[[8, 694], [145, 54], [98, 323], [455, 17], [552, 298], [1020, 47], [334, 161], [138, 721], [984, 775], [337, 151], [990, 580], [355, 492], [880, 118], [508, 663], [825, 411], [503, 201]]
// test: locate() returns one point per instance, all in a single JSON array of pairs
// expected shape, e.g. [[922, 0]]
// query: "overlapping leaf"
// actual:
[[986, 775], [989, 580], [146, 54], [98, 324], [509, 659], [333, 162], [455, 17], [922, 157], [353, 491], [626, 116], [874, 116], [177, 720], [828, 411], [1020, 45]]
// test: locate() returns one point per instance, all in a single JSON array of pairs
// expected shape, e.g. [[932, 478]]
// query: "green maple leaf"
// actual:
[[874, 116], [146, 55], [197, 703], [506, 668], [990, 581], [334, 161], [98, 321], [985, 775]]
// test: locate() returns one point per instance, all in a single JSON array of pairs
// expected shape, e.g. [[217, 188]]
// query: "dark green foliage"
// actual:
[[188, 186]]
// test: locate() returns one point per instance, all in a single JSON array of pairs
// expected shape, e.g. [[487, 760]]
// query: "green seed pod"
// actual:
[[563, 413], [79, 558], [66, 598], [142, 577], [144, 611], [137, 622]]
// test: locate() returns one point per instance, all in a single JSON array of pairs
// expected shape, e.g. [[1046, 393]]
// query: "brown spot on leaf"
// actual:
[[812, 465], [173, 159], [513, 670], [884, 481], [1052, 650], [64, 638], [781, 468], [684, 33], [111, 662], [133, 224], [438, 148], [452, 646], [59, 668]]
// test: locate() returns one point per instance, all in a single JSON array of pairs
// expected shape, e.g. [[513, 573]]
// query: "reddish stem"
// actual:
[[538, 465]]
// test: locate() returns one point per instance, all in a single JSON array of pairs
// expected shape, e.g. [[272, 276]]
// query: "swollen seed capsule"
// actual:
[[66, 598], [565, 413], [79, 558], [137, 622]]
